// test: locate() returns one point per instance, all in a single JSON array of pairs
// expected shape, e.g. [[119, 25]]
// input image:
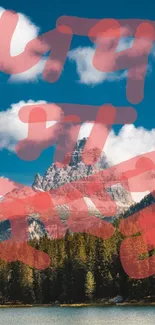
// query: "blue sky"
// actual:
[[68, 89]]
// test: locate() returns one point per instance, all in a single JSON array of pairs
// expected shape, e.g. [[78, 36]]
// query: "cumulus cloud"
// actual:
[[128, 143], [30, 75], [25, 31], [83, 58], [12, 129]]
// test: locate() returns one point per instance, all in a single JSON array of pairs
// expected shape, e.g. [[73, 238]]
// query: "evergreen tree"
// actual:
[[90, 285], [37, 288], [4, 281]]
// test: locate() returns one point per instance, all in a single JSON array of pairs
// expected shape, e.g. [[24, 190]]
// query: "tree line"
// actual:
[[83, 268]]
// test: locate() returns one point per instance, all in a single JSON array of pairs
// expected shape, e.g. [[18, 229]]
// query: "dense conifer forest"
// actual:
[[83, 269]]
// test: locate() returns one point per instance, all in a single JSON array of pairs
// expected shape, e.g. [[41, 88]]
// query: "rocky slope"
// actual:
[[55, 177], [77, 170]]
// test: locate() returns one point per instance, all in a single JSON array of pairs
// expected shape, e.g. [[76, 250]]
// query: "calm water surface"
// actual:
[[78, 316]]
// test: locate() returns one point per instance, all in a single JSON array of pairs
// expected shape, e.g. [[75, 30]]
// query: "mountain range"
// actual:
[[75, 170]]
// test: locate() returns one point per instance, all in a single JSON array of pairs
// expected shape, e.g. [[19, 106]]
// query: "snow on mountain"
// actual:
[[56, 177]]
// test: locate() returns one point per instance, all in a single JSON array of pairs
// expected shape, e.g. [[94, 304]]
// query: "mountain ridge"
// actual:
[[55, 177]]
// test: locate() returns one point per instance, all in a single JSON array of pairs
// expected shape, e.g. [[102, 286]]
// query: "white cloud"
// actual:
[[83, 58], [128, 143], [12, 129], [25, 31], [30, 75]]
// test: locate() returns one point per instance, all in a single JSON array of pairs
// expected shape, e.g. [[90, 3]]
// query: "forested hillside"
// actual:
[[83, 268]]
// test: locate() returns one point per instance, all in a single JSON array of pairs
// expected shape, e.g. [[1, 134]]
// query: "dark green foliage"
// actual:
[[83, 268], [145, 202]]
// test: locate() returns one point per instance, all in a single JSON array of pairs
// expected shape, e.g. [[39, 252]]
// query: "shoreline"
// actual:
[[81, 305]]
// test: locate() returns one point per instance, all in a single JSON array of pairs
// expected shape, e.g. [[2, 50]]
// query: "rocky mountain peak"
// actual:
[[76, 170], [56, 177]]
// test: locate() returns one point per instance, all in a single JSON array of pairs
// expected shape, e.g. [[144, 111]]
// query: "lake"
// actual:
[[78, 316]]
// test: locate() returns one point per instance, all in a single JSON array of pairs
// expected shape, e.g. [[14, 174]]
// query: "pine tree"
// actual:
[[78, 280], [15, 291], [4, 281], [37, 288], [90, 285]]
